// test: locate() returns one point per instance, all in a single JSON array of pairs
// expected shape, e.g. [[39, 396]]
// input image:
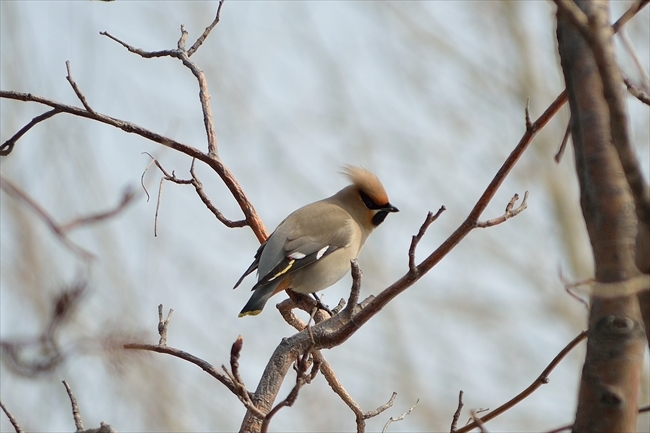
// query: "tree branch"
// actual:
[[12, 420], [541, 380], [8, 146], [76, 89], [75, 408]]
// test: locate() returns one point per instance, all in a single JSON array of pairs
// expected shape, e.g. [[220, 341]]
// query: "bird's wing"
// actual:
[[300, 250], [253, 266]]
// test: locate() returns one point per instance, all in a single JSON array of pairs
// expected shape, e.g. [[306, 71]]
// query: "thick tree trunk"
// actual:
[[609, 388]]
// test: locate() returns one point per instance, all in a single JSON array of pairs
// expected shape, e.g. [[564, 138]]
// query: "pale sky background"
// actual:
[[428, 95]]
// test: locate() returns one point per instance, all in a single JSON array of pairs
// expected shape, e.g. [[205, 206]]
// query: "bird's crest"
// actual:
[[367, 183]]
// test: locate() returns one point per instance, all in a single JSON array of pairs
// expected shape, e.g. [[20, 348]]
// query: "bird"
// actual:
[[311, 249]]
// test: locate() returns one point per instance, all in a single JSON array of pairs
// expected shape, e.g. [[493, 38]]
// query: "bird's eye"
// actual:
[[370, 204]]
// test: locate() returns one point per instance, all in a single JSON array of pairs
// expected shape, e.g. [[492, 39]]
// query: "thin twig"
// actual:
[[643, 74], [636, 92], [12, 420], [204, 365], [353, 299], [75, 408], [21, 196], [415, 240], [127, 197], [529, 124], [238, 383], [8, 146], [399, 418], [163, 324], [541, 380], [138, 51], [76, 89], [568, 287], [206, 32], [198, 186], [565, 140], [509, 213], [204, 96], [454, 420], [629, 14]]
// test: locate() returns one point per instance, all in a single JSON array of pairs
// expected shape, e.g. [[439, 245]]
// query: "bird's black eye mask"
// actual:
[[370, 204]]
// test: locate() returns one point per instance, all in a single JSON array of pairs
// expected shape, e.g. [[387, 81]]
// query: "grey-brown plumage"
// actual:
[[311, 249]]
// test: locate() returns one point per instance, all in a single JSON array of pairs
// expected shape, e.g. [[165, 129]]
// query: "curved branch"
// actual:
[[8, 146], [541, 380], [215, 163]]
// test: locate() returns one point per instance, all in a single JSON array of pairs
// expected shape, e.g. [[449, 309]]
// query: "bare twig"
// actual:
[[158, 199], [206, 32], [21, 196], [569, 287], [636, 92], [75, 408], [643, 74], [224, 173], [127, 197], [399, 418], [76, 89], [163, 324], [529, 124], [198, 186], [454, 420], [204, 365], [629, 14], [8, 146], [337, 387], [415, 240], [565, 140], [12, 420], [238, 383], [353, 300], [204, 96], [61, 230], [509, 213], [541, 380]]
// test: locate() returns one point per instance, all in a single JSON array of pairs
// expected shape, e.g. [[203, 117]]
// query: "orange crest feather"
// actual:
[[366, 182]]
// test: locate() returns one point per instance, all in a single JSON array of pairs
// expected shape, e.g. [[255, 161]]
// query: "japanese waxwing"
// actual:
[[311, 249]]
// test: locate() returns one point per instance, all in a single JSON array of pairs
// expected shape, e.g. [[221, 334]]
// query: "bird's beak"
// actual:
[[390, 208]]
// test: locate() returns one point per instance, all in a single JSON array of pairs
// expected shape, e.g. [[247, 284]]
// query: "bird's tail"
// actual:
[[258, 299]]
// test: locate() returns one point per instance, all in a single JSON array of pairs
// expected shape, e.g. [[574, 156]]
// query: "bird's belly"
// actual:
[[323, 273]]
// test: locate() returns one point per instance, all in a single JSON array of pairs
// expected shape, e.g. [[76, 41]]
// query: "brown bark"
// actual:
[[609, 388]]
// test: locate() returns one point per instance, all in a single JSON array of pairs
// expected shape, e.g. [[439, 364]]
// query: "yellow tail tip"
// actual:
[[249, 313]]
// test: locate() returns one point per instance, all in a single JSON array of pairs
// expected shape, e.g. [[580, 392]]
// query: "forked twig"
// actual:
[[510, 212], [399, 418], [415, 240]]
